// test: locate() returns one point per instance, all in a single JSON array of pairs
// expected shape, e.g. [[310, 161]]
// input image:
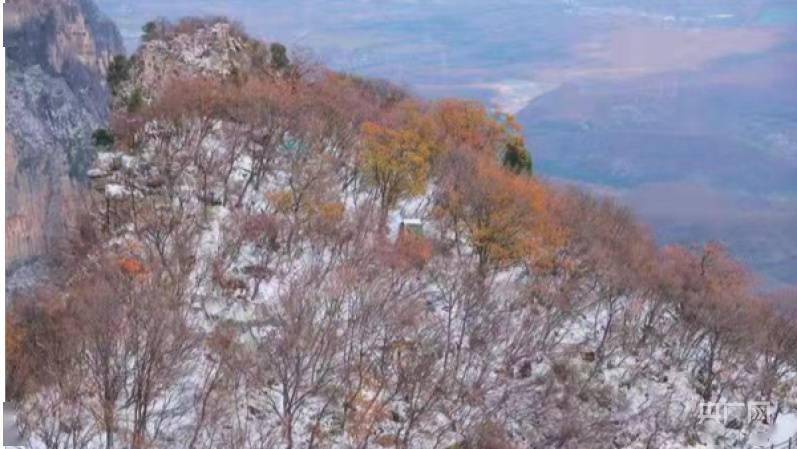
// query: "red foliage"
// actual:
[[262, 229], [412, 251], [132, 267]]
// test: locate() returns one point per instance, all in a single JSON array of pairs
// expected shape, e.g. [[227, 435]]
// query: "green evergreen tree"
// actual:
[[279, 56], [150, 30], [517, 157]]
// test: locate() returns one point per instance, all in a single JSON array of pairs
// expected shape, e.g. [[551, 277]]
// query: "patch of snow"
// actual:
[[115, 191], [785, 428]]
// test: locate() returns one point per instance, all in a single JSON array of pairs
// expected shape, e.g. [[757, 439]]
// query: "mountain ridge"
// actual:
[[285, 256]]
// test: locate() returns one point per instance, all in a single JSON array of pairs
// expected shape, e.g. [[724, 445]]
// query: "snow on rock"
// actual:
[[115, 191]]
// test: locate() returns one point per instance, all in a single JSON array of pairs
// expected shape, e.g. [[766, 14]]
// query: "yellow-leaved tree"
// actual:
[[397, 156]]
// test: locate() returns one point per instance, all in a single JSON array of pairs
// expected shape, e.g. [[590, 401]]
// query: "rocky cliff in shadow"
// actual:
[[57, 52]]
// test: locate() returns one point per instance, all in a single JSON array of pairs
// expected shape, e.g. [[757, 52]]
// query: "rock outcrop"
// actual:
[[57, 53], [191, 48]]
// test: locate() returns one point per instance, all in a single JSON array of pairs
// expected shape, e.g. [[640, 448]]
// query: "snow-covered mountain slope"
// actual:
[[281, 256]]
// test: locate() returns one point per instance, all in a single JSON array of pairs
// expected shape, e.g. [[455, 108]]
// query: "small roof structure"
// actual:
[[412, 222], [414, 225]]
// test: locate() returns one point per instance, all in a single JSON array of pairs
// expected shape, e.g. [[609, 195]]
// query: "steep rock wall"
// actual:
[[57, 52]]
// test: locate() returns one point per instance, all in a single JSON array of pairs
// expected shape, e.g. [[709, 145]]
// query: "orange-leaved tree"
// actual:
[[466, 125], [503, 216]]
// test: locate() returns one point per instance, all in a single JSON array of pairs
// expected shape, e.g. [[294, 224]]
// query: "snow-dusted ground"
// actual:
[[785, 428]]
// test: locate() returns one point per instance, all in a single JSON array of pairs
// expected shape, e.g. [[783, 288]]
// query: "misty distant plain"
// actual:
[[686, 110]]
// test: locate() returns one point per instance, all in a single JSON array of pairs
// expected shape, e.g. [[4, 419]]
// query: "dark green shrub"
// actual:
[[118, 72], [101, 137], [135, 100], [279, 56], [150, 30], [516, 157]]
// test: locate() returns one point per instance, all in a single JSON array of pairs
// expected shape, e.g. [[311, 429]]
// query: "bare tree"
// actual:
[[298, 347]]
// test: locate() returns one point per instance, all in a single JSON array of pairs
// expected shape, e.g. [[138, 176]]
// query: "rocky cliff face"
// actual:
[[57, 52]]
